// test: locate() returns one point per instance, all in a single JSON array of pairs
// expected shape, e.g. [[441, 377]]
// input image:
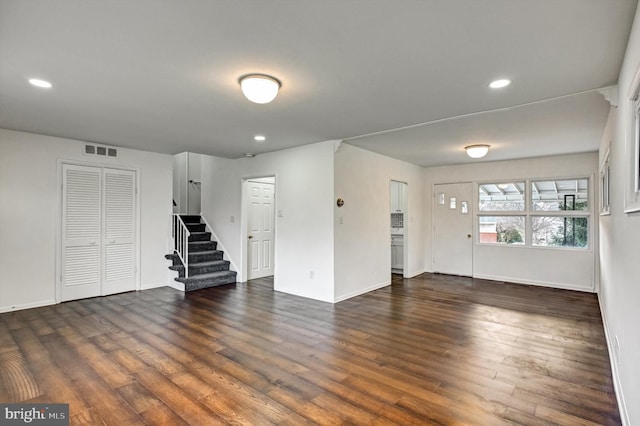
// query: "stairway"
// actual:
[[206, 265]]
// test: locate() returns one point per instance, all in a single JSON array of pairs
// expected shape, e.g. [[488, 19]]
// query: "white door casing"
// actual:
[[399, 223], [453, 229], [98, 231], [261, 229]]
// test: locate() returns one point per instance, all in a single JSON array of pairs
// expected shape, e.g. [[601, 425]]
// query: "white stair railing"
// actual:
[[181, 235]]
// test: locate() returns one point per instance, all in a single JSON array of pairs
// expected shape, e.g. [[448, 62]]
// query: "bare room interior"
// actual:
[[321, 212]]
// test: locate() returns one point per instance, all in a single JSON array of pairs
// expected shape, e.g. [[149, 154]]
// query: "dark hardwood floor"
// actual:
[[429, 350]]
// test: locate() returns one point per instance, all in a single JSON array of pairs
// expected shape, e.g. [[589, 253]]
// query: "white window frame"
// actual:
[[564, 213], [605, 185], [503, 213], [632, 148], [529, 214]]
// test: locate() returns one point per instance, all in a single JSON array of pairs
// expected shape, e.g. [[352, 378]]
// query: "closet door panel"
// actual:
[[81, 232], [119, 231]]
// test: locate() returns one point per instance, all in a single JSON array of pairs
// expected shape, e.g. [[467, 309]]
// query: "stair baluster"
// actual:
[[181, 236]]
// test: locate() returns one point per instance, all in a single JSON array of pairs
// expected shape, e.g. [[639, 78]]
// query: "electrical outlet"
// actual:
[[312, 275], [233, 219]]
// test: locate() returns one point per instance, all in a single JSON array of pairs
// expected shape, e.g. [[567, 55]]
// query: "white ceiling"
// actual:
[[162, 75]]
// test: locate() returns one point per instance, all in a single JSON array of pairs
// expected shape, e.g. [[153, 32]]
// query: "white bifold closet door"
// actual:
[[98, 231]]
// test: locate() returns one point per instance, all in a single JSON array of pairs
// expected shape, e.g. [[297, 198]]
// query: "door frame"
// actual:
[[58, 218], [405, 237], [472, 212], [243, 273]]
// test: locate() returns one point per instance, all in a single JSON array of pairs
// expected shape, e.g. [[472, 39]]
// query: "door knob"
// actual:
[[468, 235], [250, 236]]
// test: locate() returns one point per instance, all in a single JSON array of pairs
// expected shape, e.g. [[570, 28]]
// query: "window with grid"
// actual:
[[559, 213], [501, 207], [555, 213]]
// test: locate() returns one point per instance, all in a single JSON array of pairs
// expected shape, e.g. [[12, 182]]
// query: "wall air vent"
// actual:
[[100, 150]]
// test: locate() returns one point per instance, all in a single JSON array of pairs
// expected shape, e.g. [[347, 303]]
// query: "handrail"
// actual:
[[181, 234]]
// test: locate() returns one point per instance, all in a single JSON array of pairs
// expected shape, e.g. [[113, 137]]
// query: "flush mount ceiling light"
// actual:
[[477, 151], [259, 138], [40, 83], [499, 84], [260, 88]]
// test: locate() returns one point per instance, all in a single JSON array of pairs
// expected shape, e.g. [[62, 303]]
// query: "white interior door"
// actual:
[[81, 225], [119, 231], [453, 229], [98, 231], [261, 223]]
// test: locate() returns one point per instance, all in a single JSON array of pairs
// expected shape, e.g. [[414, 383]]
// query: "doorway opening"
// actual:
[[258, 227], [399, 224], [187, 181]]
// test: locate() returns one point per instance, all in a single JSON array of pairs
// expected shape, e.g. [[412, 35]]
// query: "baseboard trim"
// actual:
[[622, 406], [415, 274], [538, 283], [306, 296], [176, 285], [362, 291], [39, 304]]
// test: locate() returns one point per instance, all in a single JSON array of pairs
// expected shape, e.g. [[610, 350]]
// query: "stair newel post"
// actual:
[[173, 233], [186, 253], [181, 242]]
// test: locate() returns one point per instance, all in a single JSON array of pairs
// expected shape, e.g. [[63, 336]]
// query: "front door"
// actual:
[[453, 229], [261, 224]]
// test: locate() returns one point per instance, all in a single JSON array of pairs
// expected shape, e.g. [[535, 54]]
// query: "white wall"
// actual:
[[570, 269], [620, 247], [304, 195], [180, 184], [29, 204], [193, 183], [362, 225]]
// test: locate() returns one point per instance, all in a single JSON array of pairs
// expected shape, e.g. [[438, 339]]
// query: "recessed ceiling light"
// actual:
[[249, 155], [260, 138], [499, 84], [40, 83]]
